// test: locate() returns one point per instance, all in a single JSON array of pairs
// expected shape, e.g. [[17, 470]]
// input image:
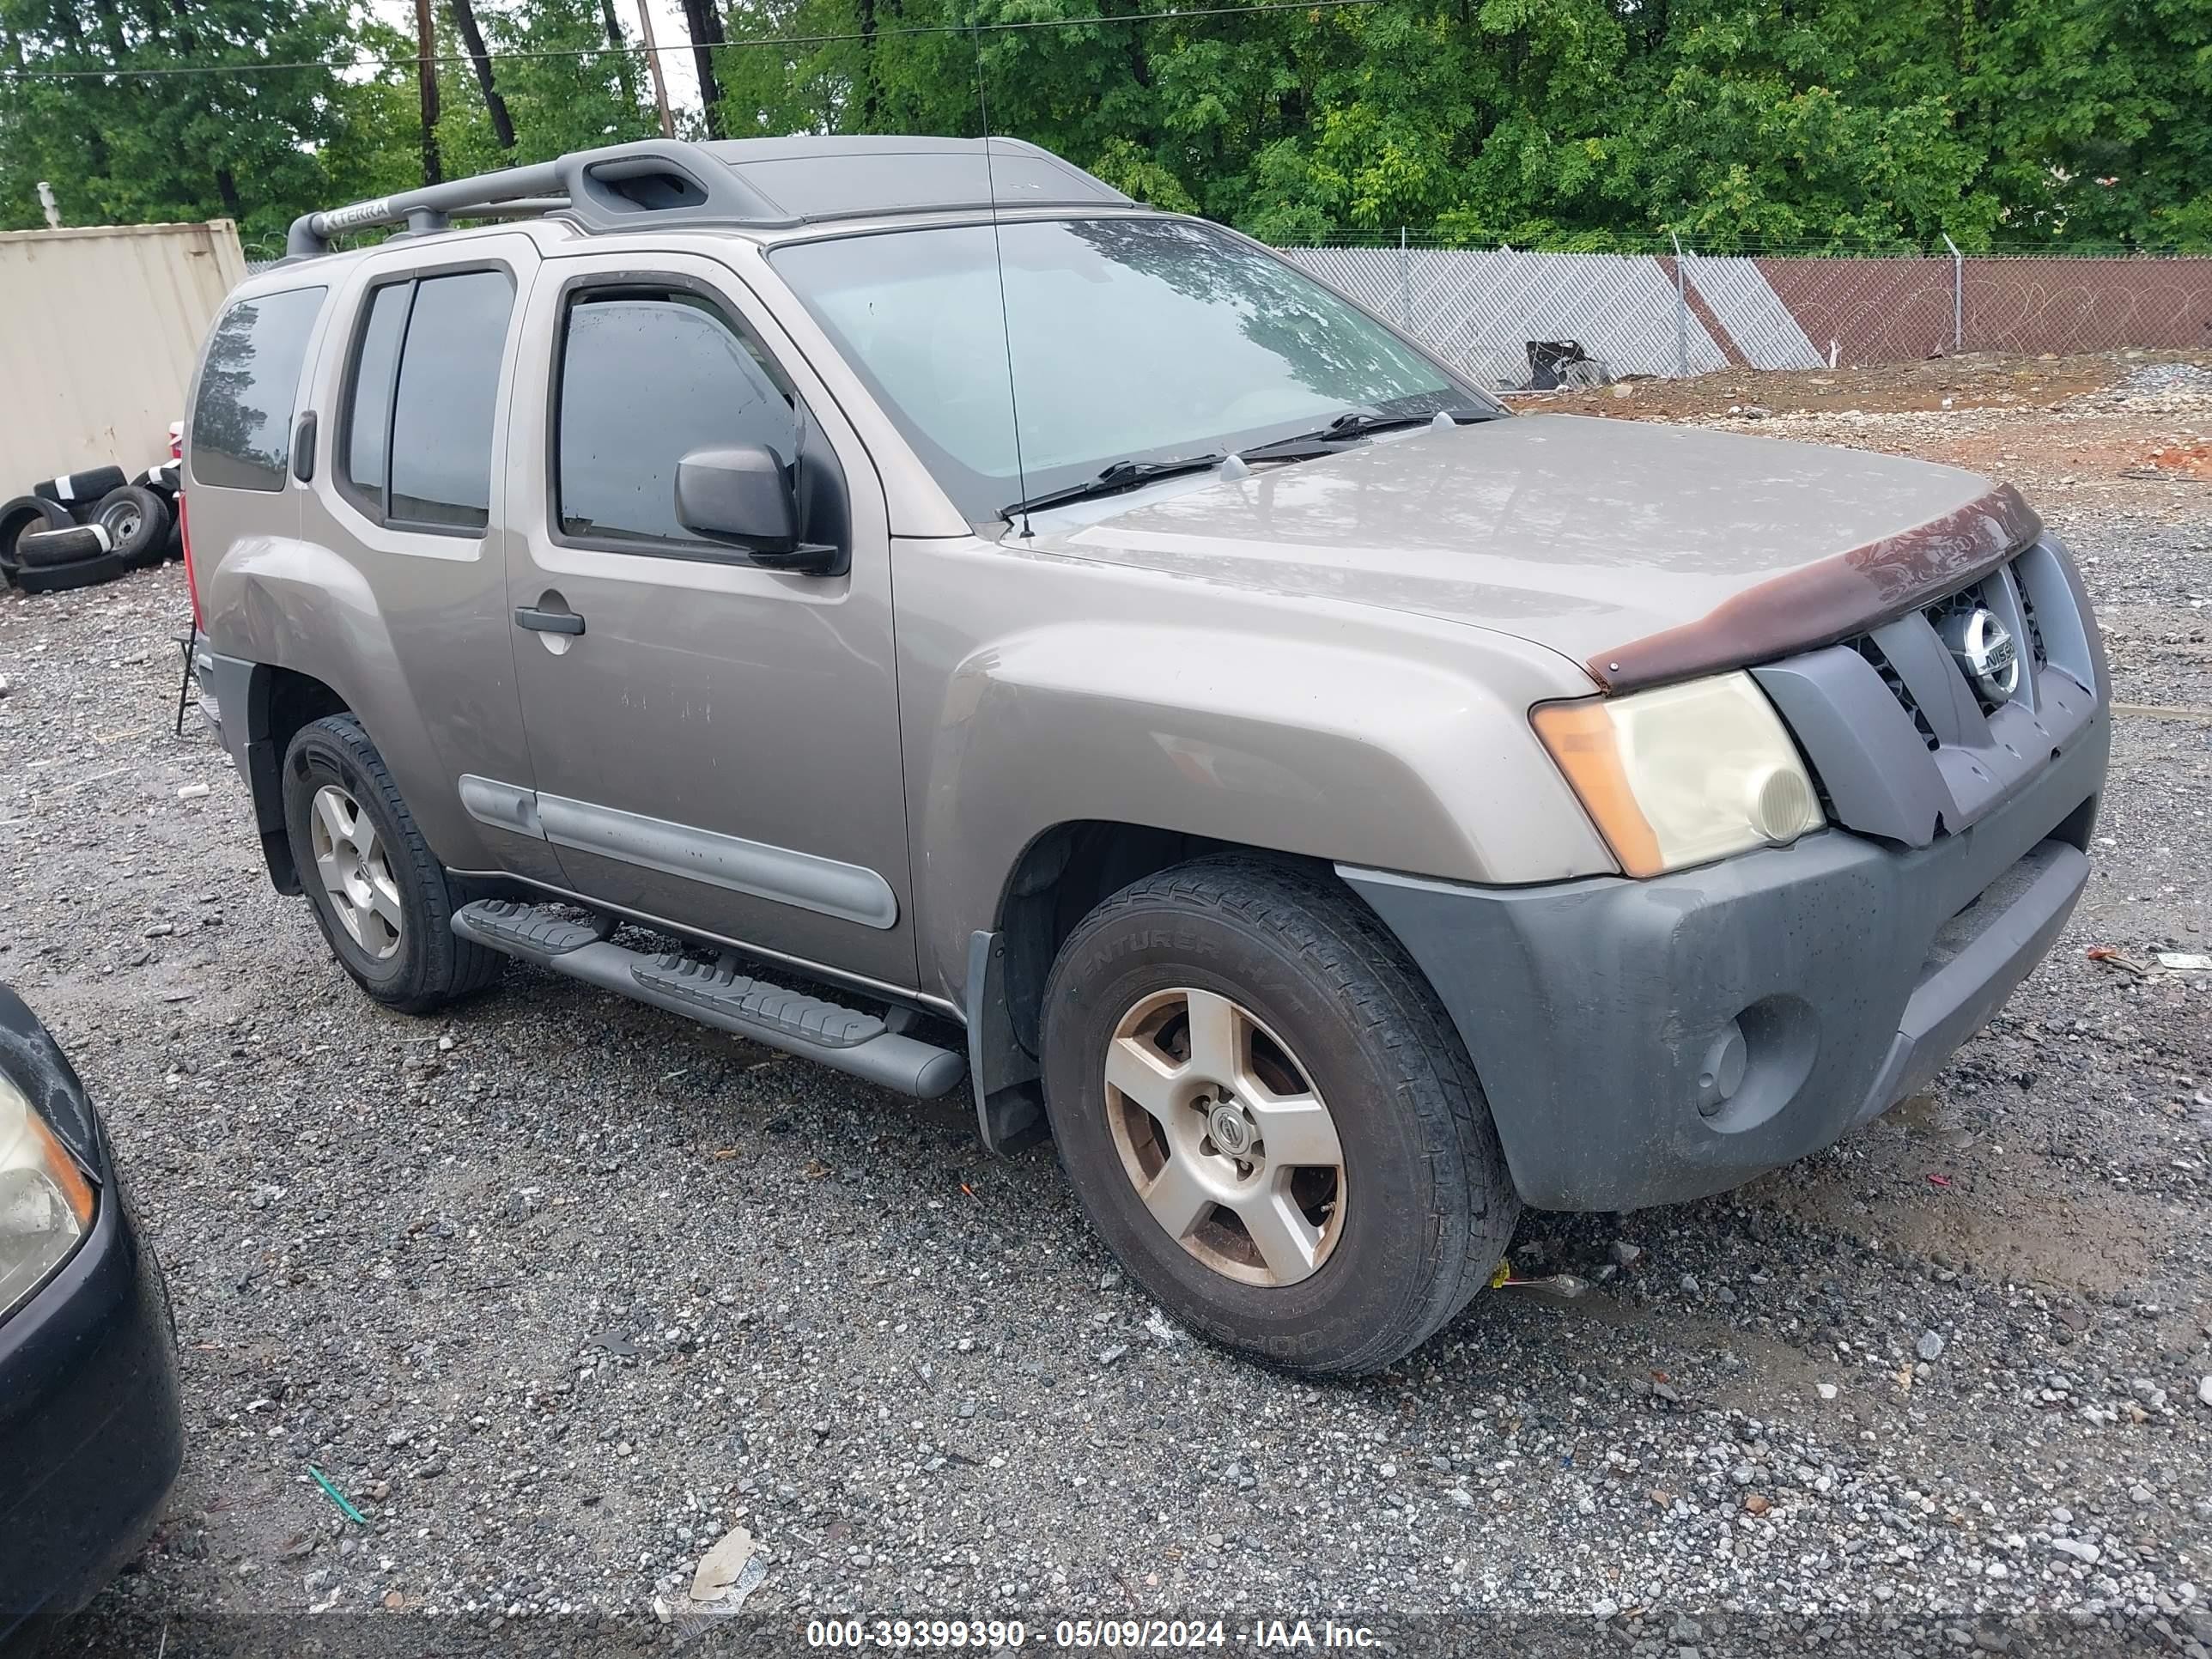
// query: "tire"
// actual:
[[23, 516], [1424, 1208], [425, 966], [78, 491], [78, 572], [45, 549], [137, 522]]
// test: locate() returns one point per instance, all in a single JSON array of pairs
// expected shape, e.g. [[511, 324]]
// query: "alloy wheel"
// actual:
[[1230, 1145], [355, 871]]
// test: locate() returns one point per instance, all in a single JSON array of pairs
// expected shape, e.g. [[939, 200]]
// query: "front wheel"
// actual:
[[1268, 1115]]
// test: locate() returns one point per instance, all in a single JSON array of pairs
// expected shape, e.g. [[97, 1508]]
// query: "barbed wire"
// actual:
[[409, 60], [1629, 245]]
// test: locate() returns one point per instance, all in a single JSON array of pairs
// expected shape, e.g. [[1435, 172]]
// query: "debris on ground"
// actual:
[[729, 1571], [2112, 958], [337, 1497], [1565, 1286], [726, 1575]]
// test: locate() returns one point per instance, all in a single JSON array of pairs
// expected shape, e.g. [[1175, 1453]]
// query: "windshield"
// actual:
[[1133, 339]]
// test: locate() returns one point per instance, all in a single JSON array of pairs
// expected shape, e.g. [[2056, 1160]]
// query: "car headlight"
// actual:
[[1684, 774], [45, 1202]]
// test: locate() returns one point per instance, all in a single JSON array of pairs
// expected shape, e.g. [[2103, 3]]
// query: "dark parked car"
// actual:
[[90, 1437]]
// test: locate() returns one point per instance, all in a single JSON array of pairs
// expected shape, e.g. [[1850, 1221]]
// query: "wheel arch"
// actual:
[[1066, 871], [279, 701], [1062, 874], [274, 606]]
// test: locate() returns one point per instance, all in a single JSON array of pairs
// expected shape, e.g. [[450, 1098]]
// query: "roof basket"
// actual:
[[756, 183]]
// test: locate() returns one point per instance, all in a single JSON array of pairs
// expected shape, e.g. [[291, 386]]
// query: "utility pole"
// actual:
[[652, 63], [1682, 309], [426, 76], [1957, 295]]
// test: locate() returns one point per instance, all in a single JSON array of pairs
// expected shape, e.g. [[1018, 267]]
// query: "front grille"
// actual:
[[2005, 593], [1903, 745], [1878, 661], [2038, 654], [1966, 601]]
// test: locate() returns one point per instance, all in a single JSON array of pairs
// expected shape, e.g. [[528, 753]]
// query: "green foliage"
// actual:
[[1588, 124], [558, 103], [193, 146]]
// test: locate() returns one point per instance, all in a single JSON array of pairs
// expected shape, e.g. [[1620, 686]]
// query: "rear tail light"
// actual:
[[192, 579], [176, 440]]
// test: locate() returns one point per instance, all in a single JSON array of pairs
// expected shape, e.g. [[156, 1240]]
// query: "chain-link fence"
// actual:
[[1676, 313]]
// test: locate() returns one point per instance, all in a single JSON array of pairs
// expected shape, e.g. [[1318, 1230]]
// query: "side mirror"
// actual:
[[743, 495]]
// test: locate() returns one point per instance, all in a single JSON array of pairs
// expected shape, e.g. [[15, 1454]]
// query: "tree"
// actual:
[[1577, 123], [704, 22], [564, 89], [136, 149], [465, 20]]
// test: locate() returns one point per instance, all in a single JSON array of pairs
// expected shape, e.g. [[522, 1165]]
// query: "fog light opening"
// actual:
[[1721, 1072]]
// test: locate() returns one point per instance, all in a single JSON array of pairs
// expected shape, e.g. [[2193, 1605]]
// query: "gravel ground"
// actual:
[[560, 1289]]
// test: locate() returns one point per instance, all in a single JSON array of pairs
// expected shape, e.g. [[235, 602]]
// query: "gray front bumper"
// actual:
[[1591, 1009]]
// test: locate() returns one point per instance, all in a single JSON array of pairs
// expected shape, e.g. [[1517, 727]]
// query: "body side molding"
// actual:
[[781, 874]]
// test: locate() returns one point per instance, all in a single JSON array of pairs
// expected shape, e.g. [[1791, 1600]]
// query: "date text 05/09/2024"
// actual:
[[1284, 1635]]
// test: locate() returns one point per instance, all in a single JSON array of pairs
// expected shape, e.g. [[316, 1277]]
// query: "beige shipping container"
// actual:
[[100, 327]]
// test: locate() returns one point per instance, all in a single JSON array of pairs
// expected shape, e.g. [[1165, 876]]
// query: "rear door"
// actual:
[[412, 394], [719, 746]]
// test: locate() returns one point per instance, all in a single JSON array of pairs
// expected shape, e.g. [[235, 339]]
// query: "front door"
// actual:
[[715, 744]]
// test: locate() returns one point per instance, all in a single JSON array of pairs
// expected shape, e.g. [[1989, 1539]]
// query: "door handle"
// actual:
[[303, 448], [548, 621]]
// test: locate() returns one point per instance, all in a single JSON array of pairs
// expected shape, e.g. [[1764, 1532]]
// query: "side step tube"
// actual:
[[808, 1027]]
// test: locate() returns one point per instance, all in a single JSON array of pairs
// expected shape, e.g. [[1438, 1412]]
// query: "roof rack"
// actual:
[[760, 184]]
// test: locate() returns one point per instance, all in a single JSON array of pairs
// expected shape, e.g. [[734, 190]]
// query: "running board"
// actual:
[[845, 1039]]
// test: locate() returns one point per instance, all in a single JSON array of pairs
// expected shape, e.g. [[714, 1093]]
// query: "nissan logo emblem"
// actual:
[[1983, 647]]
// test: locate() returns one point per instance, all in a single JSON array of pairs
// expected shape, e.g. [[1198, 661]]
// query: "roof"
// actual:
[[760, 184]]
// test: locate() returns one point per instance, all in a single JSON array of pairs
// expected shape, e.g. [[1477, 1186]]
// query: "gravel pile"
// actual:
[[2159, 379], [558, 1290]]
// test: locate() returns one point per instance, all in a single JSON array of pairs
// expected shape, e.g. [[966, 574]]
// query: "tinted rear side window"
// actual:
[[646, 378], [241, 435], [441, 420], [368, 416]]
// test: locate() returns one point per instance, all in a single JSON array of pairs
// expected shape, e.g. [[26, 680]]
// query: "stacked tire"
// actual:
[[87, 527]]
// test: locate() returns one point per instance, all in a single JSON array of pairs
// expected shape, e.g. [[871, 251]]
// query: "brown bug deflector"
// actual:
[[1833, 599]]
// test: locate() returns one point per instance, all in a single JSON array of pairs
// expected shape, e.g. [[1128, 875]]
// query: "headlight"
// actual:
[[45, 1203], [1684, 774]]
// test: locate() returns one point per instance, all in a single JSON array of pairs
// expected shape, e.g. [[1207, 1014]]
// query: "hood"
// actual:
[[1643, 552]]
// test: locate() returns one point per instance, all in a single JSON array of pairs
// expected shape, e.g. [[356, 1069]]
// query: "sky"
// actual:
[[668, 32]]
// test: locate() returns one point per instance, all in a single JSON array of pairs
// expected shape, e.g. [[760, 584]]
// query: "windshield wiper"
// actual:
[[1357, 423], [1122, 475], [1349, 427]]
